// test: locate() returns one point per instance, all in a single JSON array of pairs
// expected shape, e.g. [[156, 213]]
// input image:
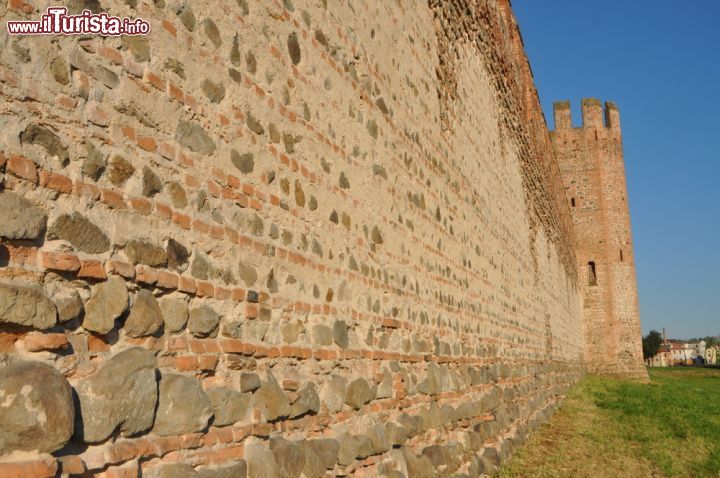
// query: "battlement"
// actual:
[[593, 115]]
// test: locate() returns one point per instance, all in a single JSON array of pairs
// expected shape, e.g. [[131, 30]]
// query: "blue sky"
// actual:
[[659, 60]]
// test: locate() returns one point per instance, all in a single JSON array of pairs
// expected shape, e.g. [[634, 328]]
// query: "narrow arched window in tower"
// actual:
[[592, 275], [621, 255], [572, 201]]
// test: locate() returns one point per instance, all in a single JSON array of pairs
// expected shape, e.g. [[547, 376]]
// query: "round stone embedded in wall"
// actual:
[[203, 321], [21, 219], [27, 306], [122, 395], [183, 406], [36, 408]]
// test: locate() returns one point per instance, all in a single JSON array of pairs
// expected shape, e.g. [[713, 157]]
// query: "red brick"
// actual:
[[58, 182], [251, 311], [167, 280], [222, 293], [120, 268], [233, 181], [166, 150], [323, 354], [7, 341], [111, 54], [65, 101], [23, 168], [169, 27], [71, 465], [133, 68], [154, 80], [391, 323], [214, 188], [290, 384], [192, 181], [182, 220], [37, 341], [163, 445], [185, 160], [262, 429], [190, 101], [59, 261], [19, 255], [275, 52], [140, 205], [45, 466], [248, 189], [97, 115], [163, 210], [208, 362], [242, 200], [201, 226], [176, 344], [218, 232], [128, 132], [121, 451], [92, 269], [212, 345], [238, 294], [218, 174], [112, 198], [20, 5], [232, 346], [128, 470], [97, 344], [145, 274], [174, 92], [186, 284], [205, 289], [231, 234], [86, 190], [147, 143], [186, 363], [196, 346]]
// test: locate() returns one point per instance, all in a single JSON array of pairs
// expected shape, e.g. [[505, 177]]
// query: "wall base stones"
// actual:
[[261, 242]]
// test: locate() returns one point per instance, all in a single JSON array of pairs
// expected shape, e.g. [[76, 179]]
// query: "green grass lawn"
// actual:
[[614, 428]]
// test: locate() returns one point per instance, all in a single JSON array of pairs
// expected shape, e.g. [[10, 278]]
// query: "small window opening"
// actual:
[[572, 201], [592, 275], [621, 255]]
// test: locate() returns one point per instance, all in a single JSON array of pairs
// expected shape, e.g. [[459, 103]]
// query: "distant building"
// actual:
[[696, 349], [663, 358], [681, 354], [674, 352], [712, 355]]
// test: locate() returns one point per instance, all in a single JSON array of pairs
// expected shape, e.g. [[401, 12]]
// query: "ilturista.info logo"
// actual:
[[56, 21]]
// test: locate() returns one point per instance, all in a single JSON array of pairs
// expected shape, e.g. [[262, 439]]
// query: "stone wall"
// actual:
[[593, 170], [279, 238]]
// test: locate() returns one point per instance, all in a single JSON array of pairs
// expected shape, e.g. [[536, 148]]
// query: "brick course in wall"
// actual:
[[291, 238]]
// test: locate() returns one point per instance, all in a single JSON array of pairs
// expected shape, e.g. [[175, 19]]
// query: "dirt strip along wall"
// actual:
[[279, 238]]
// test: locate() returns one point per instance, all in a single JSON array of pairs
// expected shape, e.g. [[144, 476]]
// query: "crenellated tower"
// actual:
[[593, 172]]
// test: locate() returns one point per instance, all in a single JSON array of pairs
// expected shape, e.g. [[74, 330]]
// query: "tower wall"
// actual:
[[593, 172]]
